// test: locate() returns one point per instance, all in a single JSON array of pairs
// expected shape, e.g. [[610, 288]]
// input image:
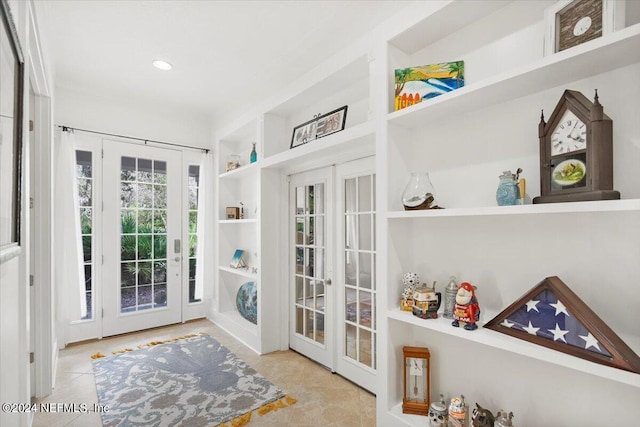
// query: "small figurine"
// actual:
[[466, 309], [410, 281], [457, 413], [438, 413], [426, 302], [482, 417], [503, 419]]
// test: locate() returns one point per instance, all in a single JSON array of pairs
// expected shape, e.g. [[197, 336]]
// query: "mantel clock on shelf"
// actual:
[[576, 152], [417, 380]]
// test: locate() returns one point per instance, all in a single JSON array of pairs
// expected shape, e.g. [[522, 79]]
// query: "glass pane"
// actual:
[[194, 176], [318, 198], [159, 271], [145, 170], [193, 245], [310, 199], [299, 290], [299, 260], [159, 221], [350, 271], [364, 232], [308, 293], [83, 164], [87, 277], [365, 308], [159, 172], [318, 224], [144, 273], [160, 196], [89, 299], [86, 248], [160, 295], [364, 259], [300, 231], [320, 328], [127, 299], [351, 305], [308, 327], [127, 221], [144, 246], [85, 220], [128, 169], [311, 230], [320, 296], [127, 274], [145, 196], [350, 195], [193, 198], [192, 268], [84, 192], [144, 296], [310, 262], [364, 194], [373, 192], [300, 200], [128, 247], [351, 335], [193, 222], [319, 263], [299, 320], [159, 247], [145, 218], [365, 347], [350, 231], [128, 195]]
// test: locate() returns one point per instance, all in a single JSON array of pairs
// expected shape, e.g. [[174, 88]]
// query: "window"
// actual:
[[193, 182], [84, 177]]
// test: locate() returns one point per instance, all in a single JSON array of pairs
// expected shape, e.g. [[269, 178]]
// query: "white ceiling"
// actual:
[[226, 54]]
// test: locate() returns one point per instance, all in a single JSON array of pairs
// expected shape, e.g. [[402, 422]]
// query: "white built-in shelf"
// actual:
[[604, 54], [239, 272], [408, 419], [241, 172], [354, 142], [504, 342], [545, 208], [238, 221]]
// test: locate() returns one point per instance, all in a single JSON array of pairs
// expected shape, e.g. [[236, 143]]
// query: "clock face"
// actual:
[[569, 135], [579, 22]]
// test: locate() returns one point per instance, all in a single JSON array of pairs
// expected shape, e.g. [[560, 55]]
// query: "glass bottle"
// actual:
[[254, 154], [419, 192], [450, 297], [507, 192]]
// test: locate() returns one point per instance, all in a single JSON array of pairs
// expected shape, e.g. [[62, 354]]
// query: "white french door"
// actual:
[[311, 330], [332, 313], [142, 243]]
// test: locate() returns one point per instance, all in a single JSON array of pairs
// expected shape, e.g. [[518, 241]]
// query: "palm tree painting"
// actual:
[[414, 84]]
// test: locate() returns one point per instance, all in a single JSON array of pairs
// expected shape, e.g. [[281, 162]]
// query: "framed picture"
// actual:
[[237, 260], [414, 84], [233, 213], [11, 124], [319, 126], [570, 23]]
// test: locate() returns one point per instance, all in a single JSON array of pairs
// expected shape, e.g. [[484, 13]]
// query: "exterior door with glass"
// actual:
[[142, 244], [311, 300]]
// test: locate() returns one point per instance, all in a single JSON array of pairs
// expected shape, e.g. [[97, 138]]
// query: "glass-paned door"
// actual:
[[142, 245], [356, 279], [311, 322]]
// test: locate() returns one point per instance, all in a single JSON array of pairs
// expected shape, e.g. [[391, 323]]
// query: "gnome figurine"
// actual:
[[466, 310]]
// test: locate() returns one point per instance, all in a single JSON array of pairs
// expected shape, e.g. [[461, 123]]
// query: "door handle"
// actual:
[[177, 259], [327, 282]]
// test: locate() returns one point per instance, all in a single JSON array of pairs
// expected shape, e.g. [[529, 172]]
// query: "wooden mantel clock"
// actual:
[[417, 380], [576, 152]]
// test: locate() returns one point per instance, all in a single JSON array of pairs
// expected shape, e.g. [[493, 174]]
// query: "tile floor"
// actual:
[[324, 399]]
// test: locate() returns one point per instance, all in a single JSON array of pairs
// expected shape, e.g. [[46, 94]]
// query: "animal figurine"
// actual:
[[503, 419], [482, 417], [466, 309], [410, 281]]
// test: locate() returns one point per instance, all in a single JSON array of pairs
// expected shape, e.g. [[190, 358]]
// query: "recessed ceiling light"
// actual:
[[162, 65]]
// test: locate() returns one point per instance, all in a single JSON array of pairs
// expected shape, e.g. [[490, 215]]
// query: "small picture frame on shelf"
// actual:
[[321, 125], [570, 23], [237, 261], [233, 212]]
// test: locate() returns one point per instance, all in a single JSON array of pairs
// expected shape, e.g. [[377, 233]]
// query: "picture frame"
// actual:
[[581, 25], [320, 126], [11, 132], [237, 261], [233, 212]]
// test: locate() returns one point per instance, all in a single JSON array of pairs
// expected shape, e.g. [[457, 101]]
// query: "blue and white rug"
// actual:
[[190, 382]]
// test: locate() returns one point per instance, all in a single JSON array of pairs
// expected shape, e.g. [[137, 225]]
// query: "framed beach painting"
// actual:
[[414, 84]]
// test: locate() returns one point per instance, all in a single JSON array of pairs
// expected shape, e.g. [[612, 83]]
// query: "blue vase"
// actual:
[[507, 192]]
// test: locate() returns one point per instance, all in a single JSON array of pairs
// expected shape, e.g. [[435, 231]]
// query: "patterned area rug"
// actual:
[[189, 382]]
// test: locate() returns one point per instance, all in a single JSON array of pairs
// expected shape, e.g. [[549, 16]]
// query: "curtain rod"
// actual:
[[206, 150]]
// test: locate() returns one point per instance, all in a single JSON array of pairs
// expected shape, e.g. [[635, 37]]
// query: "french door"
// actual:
[[142, 244], [332, 311]]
